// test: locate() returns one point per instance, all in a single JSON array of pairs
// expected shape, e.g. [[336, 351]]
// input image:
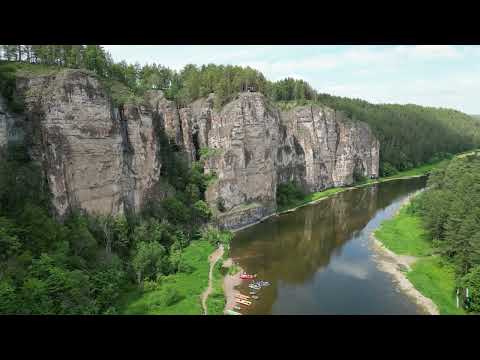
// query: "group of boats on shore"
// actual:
[[246, 300]]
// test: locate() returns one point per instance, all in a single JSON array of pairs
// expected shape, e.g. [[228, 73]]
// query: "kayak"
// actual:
[[244, 302], [241, 296], [247, 276]]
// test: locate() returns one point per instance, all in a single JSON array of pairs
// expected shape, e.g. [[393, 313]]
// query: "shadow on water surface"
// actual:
[[317, 258]]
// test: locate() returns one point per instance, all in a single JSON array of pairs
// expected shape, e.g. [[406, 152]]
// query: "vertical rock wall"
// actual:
[[105, 159]]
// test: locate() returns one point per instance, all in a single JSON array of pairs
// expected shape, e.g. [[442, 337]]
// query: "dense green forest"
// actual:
[[450, 209], [83, 265]]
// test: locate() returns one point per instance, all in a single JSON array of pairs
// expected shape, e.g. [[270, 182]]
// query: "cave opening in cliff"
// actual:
[[196, 145]]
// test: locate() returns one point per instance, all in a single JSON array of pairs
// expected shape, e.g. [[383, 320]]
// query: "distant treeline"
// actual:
[[409, 135]]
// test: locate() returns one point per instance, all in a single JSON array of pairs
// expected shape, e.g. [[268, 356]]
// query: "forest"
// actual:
[[84, 264], [450, 210]]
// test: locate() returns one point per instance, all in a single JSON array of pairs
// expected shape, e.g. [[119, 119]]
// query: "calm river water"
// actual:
[[319, 260]]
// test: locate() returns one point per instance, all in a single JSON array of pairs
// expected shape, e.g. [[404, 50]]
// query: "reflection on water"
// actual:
[[318, 259]]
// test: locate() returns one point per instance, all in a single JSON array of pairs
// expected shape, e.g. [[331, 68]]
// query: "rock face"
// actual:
[[105, 159], [333, 148], [257, 148], [96, 157], [247, 132]]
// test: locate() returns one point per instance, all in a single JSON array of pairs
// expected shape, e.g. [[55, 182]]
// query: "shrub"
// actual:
[[358, 177], [221, 204], [171, 296], [150, 285], [288, 193], [389, 169], [216, 236]]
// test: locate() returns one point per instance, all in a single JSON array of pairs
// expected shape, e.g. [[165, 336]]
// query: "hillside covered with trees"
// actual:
[[450, 212]]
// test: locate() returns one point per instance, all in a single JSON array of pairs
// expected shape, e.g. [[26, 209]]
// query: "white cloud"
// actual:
[[435, 75], [429, 51], [359, 58], [453, 91], [350, 269]]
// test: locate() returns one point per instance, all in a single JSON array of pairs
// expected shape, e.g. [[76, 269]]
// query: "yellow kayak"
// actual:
[[244, 302], [241, 296]]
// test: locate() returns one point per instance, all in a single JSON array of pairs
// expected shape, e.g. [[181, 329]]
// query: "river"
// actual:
[[319, 259]]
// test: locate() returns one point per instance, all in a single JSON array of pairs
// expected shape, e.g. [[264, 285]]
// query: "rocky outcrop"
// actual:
[[246, 132], [258, 147], [95, 156], [106, 159], [333, 148]]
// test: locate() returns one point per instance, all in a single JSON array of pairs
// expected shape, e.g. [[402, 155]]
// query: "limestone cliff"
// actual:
[[260, 147], [96, 156], [105, 159]]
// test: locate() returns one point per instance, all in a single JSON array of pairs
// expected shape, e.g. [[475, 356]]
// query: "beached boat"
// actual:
[[244, 302], [241, 296], [247, 276], [259, 283]]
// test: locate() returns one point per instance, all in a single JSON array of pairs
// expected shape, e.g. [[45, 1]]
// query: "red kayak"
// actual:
[[247, 276]]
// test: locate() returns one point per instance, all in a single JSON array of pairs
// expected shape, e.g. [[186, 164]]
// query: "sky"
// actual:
[[429, 75]]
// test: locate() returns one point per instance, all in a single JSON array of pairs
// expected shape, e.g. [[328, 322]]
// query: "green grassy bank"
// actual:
[[178, 293], [404, 235], [312, 197], [418, 171]]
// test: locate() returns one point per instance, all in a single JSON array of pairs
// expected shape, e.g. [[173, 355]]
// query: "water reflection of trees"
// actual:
[[293, 247]]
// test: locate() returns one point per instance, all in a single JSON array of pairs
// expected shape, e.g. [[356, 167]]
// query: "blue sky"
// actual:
[[431, 75]]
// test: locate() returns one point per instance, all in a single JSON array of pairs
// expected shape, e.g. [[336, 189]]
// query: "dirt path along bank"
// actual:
[[213, 258]]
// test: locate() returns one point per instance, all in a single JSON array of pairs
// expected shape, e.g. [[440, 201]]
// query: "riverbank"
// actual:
[[230, 281], [404, 251], [314, 198], [179, 293]]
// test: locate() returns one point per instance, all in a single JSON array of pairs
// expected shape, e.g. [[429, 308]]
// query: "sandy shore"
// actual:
[[229, 284], [398, 266]]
